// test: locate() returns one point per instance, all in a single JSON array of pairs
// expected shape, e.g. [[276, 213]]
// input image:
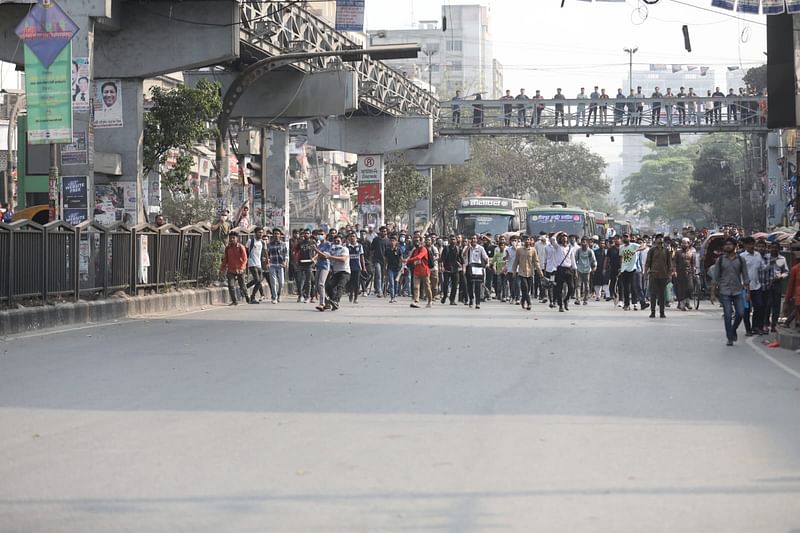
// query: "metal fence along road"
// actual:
[[90, 260]]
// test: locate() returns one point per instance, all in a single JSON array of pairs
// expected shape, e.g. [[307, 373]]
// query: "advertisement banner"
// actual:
[[49, 98], [81, 90], [75, 153], [74, 192], [349, 15], [46, 30], [108, 104]]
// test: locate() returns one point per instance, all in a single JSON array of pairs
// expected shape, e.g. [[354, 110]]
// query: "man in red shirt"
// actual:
[[234, 264], [419, 263]]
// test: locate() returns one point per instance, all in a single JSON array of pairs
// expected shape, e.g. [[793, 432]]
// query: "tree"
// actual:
[[660, 190], [756, 77], [403, 187], [178, 119], [720, 167]]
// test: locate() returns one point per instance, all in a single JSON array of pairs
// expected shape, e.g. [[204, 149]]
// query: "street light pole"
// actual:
[[630, 52]]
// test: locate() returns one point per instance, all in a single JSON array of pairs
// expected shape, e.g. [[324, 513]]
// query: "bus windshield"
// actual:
[[572, 224], [474, 224]]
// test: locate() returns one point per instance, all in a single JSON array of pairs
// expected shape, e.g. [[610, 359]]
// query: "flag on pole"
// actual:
[[691, 68], [724, 4], [656, 67], [703, 71], [676, 68], [748, 6], [774, 7]]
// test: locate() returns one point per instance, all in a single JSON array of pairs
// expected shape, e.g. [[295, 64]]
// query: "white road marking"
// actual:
[[771, 359]]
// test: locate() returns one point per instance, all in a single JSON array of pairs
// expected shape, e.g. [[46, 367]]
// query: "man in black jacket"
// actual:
[[451, 267]]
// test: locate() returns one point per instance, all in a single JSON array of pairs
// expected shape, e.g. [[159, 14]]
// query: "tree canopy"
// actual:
[[178, 119]]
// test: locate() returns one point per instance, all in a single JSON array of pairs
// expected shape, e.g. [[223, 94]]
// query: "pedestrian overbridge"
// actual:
[[562, 117], [276, 28]]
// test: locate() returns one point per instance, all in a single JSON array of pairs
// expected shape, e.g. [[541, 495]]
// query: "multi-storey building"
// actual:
[[459, 57]]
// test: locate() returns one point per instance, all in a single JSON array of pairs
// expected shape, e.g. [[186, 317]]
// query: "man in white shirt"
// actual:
[[475, 261], [541, 251], [564, 265], [255, 250], [755, 264], [508, 260]]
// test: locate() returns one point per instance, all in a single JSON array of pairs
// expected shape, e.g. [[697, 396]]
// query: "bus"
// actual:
[[602, 222], [622, 227], [484, 214], [559, 217]]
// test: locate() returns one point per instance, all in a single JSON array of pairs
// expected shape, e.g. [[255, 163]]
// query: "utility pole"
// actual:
[[630, 52]]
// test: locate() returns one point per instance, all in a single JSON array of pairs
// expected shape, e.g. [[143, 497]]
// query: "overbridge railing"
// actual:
[[276, 28], [91, 260], [695, 114]]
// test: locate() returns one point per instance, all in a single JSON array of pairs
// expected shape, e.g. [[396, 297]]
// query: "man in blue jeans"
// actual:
[[378, 248], [731, 279]]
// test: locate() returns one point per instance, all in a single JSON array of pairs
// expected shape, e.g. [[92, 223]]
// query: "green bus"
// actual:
[[488, 214], [560, 217]]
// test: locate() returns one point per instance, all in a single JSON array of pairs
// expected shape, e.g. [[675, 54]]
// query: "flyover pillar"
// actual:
[[371, 138], [276, 200]]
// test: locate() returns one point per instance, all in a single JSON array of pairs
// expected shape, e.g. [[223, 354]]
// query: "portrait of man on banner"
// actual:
[[108, 104]]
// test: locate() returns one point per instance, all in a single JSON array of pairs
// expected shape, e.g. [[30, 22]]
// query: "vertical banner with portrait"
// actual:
[[108, 104], [81, 89]]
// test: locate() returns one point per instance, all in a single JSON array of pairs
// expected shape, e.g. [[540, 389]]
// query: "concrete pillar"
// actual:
[[128, 142], [371, 190], [83, 46], [277, 187], [775, 180]]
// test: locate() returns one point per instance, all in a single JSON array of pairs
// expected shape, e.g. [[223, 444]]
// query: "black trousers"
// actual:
[[354, 283], [612, 283], [255, 281], [449, 286], [658, 289], [525, 297], [462, 287], [239, 278], [564, 276], [626, 285], [537, 286], [774, 303], [338, 285], [475, 289]]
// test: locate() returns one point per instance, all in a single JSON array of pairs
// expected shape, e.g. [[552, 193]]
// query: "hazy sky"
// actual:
[[544, 46]]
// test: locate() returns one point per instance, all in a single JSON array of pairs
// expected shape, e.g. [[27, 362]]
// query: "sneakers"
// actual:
[[729, 343], [274, 301], [428, 306], [585, 302], [305, 300], [414, 305], [560, 308], [635, 307], [645, 306], [621, 304], [577, 302], [626, 308]]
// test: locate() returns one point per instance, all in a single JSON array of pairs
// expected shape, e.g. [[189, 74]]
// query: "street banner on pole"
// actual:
[[46, 30], [349, 15], [48, 98]]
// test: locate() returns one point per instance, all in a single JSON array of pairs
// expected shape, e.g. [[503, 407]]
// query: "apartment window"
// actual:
[[457, 66], [454, 46]]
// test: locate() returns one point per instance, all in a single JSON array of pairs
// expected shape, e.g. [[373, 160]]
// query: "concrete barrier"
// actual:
[[30, 319]]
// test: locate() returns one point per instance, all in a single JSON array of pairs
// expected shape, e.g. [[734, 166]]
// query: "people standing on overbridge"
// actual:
[[522, 108], [603, 106], [681, 106], [580, 116], [507, 108], [669, 104], [477, 112], [718, 105], [639, 106], [559, 106], [658, 270], [619, 108], [538, 109], [595, 99], [731, 281], [655, 107], [455, 109], [631, 105]]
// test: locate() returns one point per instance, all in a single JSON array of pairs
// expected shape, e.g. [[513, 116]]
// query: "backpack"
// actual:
[[431, 260], [716, 270]]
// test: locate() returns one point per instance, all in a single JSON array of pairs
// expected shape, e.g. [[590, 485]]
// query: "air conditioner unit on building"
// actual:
[[249, 142]]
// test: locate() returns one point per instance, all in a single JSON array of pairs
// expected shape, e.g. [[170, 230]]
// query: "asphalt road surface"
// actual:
[[384, 418]]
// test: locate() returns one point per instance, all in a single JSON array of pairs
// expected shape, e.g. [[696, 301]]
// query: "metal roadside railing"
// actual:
[[91, 260]]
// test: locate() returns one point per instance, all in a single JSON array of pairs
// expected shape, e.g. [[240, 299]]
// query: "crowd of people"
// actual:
[[636, 108]]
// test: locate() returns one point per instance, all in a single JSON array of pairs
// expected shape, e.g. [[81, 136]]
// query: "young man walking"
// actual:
[[526, 264], [658, 269], [420, 263], [586, 264], [475, 261], [278, 263], [451, 267], [564, 261], [255, 250], [731, 281], [234, 264]]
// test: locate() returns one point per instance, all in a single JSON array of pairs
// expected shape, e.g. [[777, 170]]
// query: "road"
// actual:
[[384, 418]]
